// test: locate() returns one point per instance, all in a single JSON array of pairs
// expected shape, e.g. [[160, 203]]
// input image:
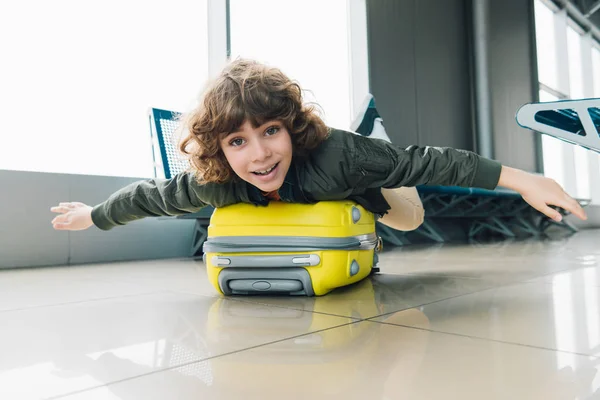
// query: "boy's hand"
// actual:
[[540, 192], [74, 216]]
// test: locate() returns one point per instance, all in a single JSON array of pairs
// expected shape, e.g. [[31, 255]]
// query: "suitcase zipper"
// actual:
[[243, 244]]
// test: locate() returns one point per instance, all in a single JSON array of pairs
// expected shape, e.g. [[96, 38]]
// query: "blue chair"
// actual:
[[573, 121], [168, 162]]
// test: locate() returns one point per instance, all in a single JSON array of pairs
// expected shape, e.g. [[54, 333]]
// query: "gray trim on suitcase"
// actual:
[[262, 261], [273, 285], [294, 281], [243, 244]]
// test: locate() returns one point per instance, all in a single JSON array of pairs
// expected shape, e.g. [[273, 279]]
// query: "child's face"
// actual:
[[260, 156]]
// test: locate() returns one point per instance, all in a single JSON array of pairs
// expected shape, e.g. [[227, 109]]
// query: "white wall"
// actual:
[[27, 238]]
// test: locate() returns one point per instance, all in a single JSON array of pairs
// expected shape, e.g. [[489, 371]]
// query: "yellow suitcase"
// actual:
[[285, 248]]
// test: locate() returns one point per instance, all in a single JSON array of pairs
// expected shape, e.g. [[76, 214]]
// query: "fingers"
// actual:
[[71, 216], [65, 207], [550, 213], [577, 209], [572, 206], [60, 219], [60, 209], [61, 222]]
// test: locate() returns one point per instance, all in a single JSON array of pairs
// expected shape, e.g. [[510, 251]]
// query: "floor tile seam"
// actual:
[[198, 361], [505, 284], [527, 281], [450, 276], [534, 275], [462, 335], [540, 277], [82, 301], [487, 261]]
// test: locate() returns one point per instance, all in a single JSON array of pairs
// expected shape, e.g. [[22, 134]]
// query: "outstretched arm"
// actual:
[[540, 192], [149, 198], [380, 164]]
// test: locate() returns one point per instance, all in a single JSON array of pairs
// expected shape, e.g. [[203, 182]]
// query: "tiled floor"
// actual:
[[511, 320]]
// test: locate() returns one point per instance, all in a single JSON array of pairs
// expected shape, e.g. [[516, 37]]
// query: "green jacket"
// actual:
[[345, 165]]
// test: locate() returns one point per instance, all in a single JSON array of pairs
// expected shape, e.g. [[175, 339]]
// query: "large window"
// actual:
[[574, 43], [567, 70], [546, 44], [553, 149], [78, 77], [576, 91], [312, 42], [596, 69]]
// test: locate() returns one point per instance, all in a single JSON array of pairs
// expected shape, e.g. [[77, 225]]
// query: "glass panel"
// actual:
[[546, 45], [596, 69], [575, 62], [307, 40], [79, 76]]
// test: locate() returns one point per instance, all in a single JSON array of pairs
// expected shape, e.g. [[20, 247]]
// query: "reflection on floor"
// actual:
[[509, 320]]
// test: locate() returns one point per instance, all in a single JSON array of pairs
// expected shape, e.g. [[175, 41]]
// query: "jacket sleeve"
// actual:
[[377, 163], [159, 197]]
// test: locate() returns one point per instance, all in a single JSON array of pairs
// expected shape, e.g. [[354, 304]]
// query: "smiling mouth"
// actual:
[[266, 171]]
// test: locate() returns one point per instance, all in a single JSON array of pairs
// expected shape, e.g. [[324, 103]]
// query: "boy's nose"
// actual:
[[261, 151]]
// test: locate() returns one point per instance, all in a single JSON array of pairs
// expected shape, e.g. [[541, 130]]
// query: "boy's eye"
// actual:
[[272, 130], [236, 142]]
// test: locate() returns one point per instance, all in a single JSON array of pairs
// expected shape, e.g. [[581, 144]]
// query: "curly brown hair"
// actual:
[[247, 91]]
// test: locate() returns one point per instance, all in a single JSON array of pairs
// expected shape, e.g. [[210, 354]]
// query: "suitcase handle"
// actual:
[[288, 260]]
